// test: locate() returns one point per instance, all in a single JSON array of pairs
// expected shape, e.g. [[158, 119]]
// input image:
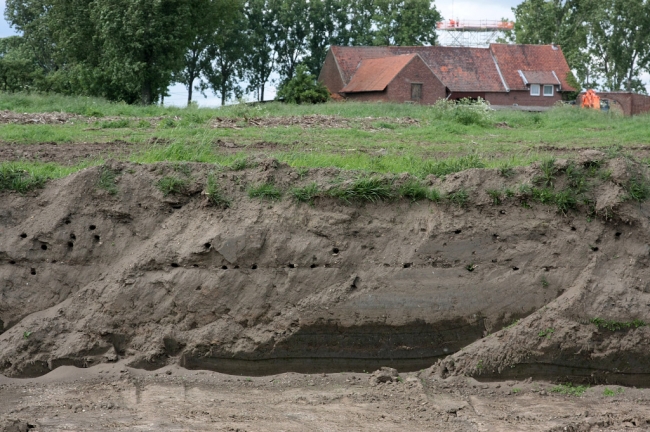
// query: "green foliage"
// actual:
[[266, 191], [470, 267], [171, 185], [115, 124], [516, 390], [511, 325], [459, 197], [548, 172], [305, 194], [638, 188], [372, 189], [506, 170], [107, 179], [617, 325], [303, 88], [214, 194], [569, 389], [452, 165], [13, 177], [26, 334], [609, 392], [496, 196], [434, 195], [544, 282], [414, 191], [547, 333], [239, 164]]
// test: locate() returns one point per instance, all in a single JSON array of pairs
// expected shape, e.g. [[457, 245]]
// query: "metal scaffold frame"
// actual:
[[471, 33]]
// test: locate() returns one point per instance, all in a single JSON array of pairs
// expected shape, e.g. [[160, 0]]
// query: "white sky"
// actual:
[[462, 9]]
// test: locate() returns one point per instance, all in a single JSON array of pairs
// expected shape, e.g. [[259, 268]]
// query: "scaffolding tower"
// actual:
[[471, 33]]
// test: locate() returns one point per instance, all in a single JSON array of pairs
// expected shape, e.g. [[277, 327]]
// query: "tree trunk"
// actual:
[[145, 94], [190, 84], [223, 95], [262, 93]]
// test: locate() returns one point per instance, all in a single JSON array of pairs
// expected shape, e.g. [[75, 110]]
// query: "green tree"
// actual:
[[224, 63], [328, 20], [18, 72], [260, 60], [206, 15], [292, 31], [619, 43], [303, 88], [142, 43], [406, 22]]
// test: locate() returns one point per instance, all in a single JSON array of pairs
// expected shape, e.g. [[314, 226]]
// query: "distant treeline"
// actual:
[[606, 42], [132, 50]]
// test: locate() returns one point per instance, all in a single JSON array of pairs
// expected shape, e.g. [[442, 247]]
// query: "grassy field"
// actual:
[[444, 139]]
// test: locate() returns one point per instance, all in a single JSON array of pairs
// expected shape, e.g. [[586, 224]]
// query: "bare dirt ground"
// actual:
[[308, 121], [101, 294], [64, 153], [113, 397]]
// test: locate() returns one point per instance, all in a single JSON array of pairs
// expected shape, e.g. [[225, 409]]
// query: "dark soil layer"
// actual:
[[262, 287]]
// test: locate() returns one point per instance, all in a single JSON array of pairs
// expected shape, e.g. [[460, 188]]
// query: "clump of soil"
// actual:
[[269, 286], [309, 121]]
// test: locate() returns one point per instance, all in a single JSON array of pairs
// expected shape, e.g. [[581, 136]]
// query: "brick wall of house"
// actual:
[[330, 75], [399, 90], [640, 104], [416, 72], [522, 98]]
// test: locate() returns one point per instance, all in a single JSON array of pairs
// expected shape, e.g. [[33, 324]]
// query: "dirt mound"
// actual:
[[63, 153], [12, 117], [308, 121], [261, 287]]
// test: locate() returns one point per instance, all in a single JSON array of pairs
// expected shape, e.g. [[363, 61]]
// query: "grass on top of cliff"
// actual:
[[372, 137]]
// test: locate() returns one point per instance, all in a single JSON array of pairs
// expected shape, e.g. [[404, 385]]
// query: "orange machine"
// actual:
[[591, 100]]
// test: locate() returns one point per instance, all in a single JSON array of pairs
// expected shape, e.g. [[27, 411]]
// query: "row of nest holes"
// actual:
[[253, 267], [209, 245], [70, 243]]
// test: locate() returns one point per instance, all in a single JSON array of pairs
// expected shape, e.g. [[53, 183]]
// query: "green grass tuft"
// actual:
[[617, 325], [265, 191], [414, 191], [305, 194], [115, 124], [13, 177], [496, 196], [372, 189], [107, 179], [570, 389], [434, 195], [215, 196], [459, 198], [171, 185]]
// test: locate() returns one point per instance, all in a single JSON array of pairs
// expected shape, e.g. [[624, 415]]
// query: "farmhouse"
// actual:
[[504, 75]]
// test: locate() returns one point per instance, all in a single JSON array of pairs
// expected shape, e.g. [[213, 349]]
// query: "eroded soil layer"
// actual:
[[267, 287]]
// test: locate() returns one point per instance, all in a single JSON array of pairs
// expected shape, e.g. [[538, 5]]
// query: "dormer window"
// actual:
[[548, 90], [534, 89]]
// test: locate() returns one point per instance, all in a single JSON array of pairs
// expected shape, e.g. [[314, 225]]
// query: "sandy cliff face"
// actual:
[[266, 287]]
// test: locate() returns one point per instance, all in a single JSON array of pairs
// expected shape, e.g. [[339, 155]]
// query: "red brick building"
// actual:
[[506, 75]]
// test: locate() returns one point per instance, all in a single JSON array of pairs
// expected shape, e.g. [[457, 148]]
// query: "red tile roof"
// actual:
[[376, 74], [515, 58], [540, 77], [462, 69]]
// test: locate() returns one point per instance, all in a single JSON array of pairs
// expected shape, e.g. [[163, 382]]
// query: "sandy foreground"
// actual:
[[115, 397]]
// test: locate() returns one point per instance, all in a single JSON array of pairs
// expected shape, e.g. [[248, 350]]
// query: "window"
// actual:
[[548, 90], [416, 92], [534, 90]]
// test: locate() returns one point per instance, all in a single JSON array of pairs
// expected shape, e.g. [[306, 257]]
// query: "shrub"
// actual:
[[303, 88], [465, 111]]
